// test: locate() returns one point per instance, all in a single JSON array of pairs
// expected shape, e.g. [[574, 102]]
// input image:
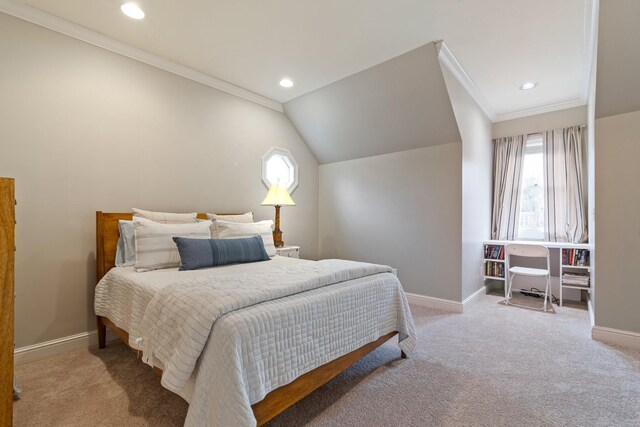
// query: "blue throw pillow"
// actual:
[[202, 253]]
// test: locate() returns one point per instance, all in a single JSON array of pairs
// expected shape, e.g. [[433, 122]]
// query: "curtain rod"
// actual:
[[538, 132], [567, 127]]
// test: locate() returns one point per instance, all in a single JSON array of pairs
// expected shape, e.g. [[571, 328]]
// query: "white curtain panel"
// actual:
[[565, 189], [508, 161]]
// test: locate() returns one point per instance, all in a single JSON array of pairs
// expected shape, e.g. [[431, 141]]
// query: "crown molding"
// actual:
[[449, 60], [540, 110], [589, 50], [44, 19]]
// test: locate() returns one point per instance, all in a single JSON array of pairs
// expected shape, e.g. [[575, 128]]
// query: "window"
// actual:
[[545, 176], [279, 166], [531, 220]]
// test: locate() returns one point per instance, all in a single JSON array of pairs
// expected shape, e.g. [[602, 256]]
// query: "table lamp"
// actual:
[[278, 196]]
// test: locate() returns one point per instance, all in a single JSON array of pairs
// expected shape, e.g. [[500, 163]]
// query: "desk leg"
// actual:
[[506, 285]]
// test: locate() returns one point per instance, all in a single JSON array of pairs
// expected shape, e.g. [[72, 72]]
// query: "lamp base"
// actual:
[[277, 234], [277, 238]]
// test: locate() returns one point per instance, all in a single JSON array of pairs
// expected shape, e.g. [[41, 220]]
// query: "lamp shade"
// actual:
[[278, 196]]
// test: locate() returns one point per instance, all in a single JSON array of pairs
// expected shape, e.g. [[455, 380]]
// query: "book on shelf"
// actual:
[[575, 257], [494, 252], [494, 269]]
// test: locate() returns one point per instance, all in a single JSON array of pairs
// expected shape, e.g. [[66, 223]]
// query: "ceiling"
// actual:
[[253, 44]]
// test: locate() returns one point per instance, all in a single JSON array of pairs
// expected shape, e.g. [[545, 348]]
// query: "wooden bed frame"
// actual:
[[277, 400]]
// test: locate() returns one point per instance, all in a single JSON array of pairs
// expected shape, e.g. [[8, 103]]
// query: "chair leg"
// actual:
[[506, 285], [546, 292], [510, 277]]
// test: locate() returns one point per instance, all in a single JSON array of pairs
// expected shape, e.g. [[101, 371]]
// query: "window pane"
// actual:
[[531, 224], [279, 170]]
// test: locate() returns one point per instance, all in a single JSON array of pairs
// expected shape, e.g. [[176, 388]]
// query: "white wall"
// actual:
[[84, 129], [541, 122], [477, 172], [618, 221], [401, 209]]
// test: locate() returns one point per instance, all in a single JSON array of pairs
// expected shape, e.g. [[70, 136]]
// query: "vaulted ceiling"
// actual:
[[398, 105], [253, 44]]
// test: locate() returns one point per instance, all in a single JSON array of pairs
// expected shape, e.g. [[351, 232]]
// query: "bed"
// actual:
[[262, 355]]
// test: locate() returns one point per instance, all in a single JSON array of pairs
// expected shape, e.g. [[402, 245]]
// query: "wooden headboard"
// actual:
[[107, 238]]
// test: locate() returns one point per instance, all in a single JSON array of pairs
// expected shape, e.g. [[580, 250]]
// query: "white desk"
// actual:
[[499, 263], [550, 245]]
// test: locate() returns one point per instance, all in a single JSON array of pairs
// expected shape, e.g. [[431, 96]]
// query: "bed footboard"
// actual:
[[283, 397]]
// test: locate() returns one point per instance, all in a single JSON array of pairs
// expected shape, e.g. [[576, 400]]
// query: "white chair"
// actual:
[[529, 251]]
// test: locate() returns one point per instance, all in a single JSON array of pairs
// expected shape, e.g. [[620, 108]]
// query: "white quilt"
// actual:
[[224, 349]]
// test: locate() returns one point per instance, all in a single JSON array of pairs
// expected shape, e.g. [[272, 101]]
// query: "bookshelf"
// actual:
[[574, 263], [494, 265], [575, 269]]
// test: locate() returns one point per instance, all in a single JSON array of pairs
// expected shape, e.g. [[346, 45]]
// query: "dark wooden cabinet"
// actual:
[[7, 248]]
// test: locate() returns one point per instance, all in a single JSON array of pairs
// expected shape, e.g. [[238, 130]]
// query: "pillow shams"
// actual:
[[155, 248], [126, 248], [244, 218], [120, 251], [201, 253], [234, 230], [165, 217]]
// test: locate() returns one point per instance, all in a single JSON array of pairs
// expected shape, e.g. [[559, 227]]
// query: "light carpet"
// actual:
[[491, 366]]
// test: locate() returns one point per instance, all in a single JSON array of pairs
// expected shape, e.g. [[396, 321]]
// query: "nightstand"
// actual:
[[289, 251]]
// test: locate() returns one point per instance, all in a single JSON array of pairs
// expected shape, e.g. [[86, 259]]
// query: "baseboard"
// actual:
[[32, 353], [474, 296], [616, 336], [432, 302]]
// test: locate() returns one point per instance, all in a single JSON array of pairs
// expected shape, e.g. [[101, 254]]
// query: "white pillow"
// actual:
[[155, 248], [236, 230], [165, 217], [243, 218]]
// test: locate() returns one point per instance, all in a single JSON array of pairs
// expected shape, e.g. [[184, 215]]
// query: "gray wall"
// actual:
[[617, 153], [401, 209], [398, 105], [618, 85], [477, 172], [541, 122], [618, 222], [84, 129]]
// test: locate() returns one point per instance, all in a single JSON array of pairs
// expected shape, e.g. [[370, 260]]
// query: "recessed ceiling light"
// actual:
[[132, 10], [528, 85], [286, 83]]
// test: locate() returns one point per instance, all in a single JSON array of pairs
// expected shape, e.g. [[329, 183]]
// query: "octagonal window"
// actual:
[[279, 166]]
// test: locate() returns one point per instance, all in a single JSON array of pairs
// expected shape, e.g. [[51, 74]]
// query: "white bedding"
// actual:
[[260, 347], [124, 296]]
